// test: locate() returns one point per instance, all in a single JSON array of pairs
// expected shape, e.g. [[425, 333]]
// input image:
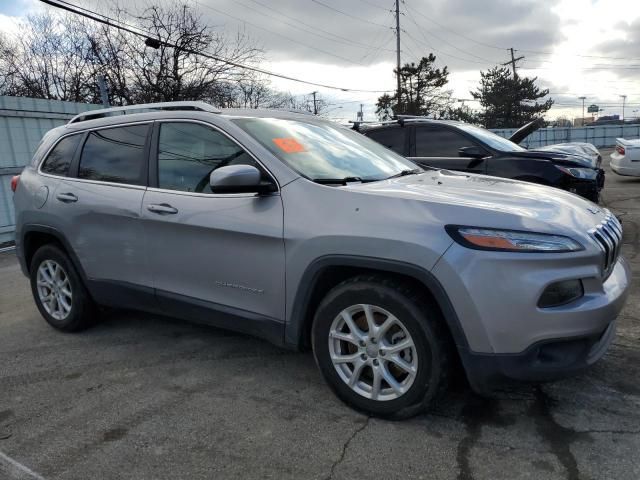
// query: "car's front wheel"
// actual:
[[381, 347], [58, 291]]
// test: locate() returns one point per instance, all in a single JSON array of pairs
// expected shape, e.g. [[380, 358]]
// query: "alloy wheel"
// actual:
[[373, 352], [54, 289]]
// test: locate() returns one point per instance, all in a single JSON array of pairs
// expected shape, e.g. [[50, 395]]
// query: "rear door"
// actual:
[[221, 252], [438, 146], [393, 137], [100, 204]]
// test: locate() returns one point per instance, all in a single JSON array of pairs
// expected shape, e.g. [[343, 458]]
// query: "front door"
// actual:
[[438, 146], [223, 252]]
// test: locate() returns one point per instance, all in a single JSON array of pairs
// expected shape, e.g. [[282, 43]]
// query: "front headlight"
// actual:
[[584, 173], [480, 238]]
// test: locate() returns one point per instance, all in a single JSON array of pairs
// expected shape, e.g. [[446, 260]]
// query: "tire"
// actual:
[[68, 313], [426, 366]]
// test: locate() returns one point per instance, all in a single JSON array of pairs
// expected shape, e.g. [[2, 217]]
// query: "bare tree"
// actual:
[[7, 70], [50, 58], [59, 56], [179, 73]]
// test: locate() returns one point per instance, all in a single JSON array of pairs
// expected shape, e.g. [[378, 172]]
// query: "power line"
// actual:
[[454, 32], [594, 67], [376, 5], [314, 27], [276, 33], [428, 45], [348, 14], [115, 24], [100, 14], [537, 52], [422, 31], [374, 50]]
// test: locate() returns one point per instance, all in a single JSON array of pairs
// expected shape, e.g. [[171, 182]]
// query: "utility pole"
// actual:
[[398, 48], [583, 99], [315, 105], [104, 93], [624, 101], [513, 63]]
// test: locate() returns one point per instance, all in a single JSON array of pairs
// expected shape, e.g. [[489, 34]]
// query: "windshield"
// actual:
[[491, 139], [321, 151]]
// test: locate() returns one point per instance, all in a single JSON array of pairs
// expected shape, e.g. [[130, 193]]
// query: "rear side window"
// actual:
[[189, 152], [439, 142], [115, 155], [392, 138], [59, 159]]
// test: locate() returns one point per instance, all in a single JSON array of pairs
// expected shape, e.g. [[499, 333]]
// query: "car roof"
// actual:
[[403, 120], [182, 110]]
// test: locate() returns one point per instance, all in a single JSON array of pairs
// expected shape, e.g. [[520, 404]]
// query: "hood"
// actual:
[[481, 200], [524, 131], [576, 149], [560, 158], [580, 153]]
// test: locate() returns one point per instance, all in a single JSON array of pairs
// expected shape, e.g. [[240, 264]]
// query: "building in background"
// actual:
[[581, 122]]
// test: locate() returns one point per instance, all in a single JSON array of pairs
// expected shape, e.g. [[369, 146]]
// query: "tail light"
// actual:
[[620, 149], [14, 182]]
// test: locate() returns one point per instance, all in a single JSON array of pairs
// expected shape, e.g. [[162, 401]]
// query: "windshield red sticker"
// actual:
[[289, 145]]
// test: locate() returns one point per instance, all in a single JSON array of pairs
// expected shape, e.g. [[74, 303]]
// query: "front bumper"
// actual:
[[545, 361], [589, 189], [507, 336]]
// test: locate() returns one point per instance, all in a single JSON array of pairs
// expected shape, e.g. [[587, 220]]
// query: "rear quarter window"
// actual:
[[115, 155], [60, 157]]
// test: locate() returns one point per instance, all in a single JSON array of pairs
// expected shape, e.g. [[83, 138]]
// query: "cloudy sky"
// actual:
[[575, 47]]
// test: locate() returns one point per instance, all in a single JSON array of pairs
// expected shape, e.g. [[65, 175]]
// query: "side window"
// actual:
[[59, 159], [189, 152], [115, 155], [439, 142], [392, 138]]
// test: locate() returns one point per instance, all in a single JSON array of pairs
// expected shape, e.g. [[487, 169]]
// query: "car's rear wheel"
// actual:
[[381, 348], [58, 291]]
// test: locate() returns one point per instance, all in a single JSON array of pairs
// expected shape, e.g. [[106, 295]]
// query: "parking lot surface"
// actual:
[[143, 397]]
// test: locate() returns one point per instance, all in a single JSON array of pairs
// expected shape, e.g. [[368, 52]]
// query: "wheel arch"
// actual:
[[326, 272], [36, 236]]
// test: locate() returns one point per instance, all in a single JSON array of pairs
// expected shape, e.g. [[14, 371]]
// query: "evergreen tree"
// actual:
[[509, 101], [421, 91]]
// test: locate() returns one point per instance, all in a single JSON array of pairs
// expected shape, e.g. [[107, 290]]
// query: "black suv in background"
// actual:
[[467, 148]]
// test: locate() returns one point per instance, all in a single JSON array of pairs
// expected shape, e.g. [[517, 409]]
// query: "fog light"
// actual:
[[561, 293]]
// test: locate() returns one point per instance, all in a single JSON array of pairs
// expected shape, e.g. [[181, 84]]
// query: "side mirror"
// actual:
[[238, 179], [472, 152]]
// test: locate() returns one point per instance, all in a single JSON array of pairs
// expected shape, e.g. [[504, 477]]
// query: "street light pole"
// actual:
[[624, 101], [583, 99]]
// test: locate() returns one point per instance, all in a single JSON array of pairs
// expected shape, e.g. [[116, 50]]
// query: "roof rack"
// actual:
[[108, 112], [358, 123]]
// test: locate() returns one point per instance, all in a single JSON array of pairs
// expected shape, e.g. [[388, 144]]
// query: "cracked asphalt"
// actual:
[[142, 397]]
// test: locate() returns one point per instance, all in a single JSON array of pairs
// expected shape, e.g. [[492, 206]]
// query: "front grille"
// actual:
[[608, 236]]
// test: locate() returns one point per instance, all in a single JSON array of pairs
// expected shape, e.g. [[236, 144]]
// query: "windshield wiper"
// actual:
[[404, 173], [337, 181]]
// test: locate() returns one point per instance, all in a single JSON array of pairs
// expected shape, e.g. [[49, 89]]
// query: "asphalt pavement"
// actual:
[[144, 397]]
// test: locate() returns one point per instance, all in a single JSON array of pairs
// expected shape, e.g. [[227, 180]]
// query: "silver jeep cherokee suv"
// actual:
[[306, 233]]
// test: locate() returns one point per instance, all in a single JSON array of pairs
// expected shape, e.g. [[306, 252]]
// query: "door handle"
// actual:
[[162, 208], [67, 197]]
